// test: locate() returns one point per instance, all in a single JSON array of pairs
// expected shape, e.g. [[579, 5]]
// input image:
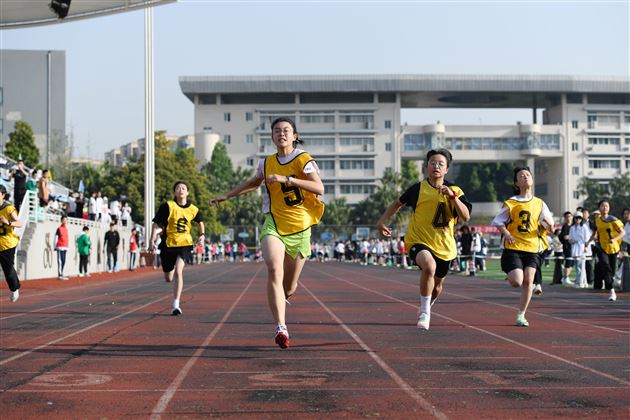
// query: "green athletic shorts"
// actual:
[[297, 243]]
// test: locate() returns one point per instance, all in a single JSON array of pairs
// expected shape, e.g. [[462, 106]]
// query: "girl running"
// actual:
[[292, 181]]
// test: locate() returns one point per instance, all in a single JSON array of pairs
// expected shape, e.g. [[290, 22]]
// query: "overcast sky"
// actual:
[[105, 56]]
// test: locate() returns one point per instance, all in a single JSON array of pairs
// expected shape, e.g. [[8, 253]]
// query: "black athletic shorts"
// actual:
[[441, 266], [511, 259], [168, 256]]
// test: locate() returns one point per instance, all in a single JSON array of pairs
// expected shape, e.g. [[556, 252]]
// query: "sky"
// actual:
[[105, 55]]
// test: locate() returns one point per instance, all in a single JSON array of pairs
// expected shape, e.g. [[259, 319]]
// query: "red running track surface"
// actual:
[[106, 346]]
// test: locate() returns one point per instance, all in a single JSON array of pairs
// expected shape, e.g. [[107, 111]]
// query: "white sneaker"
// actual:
[[613, 296], [567, 281], [15, 296], [538, 290], [81, 275], [423, 322]]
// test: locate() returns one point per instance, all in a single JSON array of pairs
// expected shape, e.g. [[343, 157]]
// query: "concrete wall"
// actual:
[[38, 259]]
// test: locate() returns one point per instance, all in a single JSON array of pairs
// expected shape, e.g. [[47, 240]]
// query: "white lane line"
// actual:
[[161, 405], [69, 303], [415, 286], [113, 292], [98, 324], [318, 387], [498, 336], [402, 384], [284, 372]]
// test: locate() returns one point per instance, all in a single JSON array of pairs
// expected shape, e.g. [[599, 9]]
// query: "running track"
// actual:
[[107, 347]]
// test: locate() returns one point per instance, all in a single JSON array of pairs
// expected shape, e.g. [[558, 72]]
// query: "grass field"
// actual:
[[493, 271]]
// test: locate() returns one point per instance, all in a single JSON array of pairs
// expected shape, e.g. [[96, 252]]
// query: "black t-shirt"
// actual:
[[20, 180]]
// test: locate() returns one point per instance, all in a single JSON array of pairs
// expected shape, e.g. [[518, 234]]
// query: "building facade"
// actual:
[[33, 89], [352, 127]]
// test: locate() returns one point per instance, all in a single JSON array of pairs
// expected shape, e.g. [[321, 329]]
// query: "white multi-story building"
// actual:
[[352, 127]]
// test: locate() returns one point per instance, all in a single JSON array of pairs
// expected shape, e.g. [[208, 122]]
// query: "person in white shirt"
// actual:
[[578, 238]]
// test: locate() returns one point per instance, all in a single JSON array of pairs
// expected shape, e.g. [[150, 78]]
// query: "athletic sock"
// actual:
[[425, 305], [175, 303]]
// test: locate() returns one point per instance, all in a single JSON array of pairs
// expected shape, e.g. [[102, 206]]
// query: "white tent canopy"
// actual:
[[21, 13]]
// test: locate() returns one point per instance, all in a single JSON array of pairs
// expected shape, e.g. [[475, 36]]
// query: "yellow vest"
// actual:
[[179, 225], [523, 224], [8, 239], [542, 234], [606, 231], [293, 209], [433, 221]]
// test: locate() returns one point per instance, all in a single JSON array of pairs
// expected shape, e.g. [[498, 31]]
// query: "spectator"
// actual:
[[31, 184], [19, 175], [43, 191], [112, 239], [83, 247], [80, 204], [588, 250], [578, 237], [61, 246], [92, 207], [125, 216], [98, 206], [566, 247], [133, 249], [466, 251]]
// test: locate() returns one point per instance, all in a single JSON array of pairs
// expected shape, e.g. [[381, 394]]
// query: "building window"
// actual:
[[388, 147], [1, 96], [227, 139], [388, 123], [207, 129], [249, 138], [326, 165], [576, 170], [250, 161], [575, 146], [1, 125], [604, 140], [576, 195], [227, 116], [356, 189], [356, 164], [329, 188], [604, 164], [574, 124], [249, 116]]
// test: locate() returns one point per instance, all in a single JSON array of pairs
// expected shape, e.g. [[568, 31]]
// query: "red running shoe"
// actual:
[[282, 336]]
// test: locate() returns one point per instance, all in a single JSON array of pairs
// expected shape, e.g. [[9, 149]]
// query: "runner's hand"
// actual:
[[384, 230]]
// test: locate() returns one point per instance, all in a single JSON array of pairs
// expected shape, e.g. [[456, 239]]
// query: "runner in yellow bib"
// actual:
[[437, 206], [292, 181], [518, 221]]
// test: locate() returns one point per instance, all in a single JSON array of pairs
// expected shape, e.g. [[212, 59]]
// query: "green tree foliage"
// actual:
[[91, 177], [21, 143], [368, 211], [485, 182], [617, 192], [337, 213], [409, 173], [219, 171]]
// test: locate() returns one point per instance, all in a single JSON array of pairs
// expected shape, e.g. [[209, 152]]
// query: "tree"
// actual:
[[409, 173], [337, 213], [219, 172], [617, 192], [21, 144], [368, 211], [485, 182]]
